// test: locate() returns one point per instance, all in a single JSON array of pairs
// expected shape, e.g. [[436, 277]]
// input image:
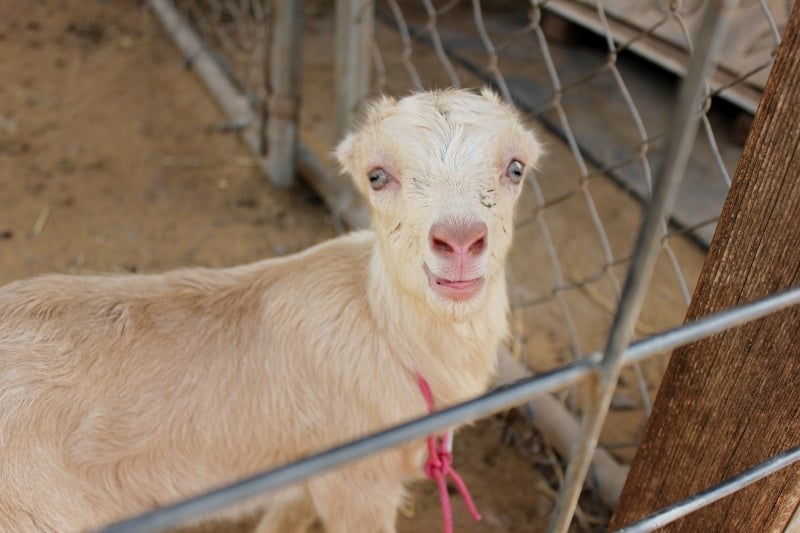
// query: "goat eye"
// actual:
[[378, 178], [515, 171]]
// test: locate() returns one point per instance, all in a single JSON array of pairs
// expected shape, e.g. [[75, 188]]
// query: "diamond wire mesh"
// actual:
[[575, 232], [443, 31]]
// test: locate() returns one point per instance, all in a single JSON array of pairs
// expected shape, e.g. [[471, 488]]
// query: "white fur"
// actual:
[[121, 393]]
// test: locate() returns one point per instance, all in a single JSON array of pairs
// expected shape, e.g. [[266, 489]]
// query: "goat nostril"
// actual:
[[439, 245], [478, 246]]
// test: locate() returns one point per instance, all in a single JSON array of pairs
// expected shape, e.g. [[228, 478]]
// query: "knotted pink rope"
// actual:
[[438, 466]]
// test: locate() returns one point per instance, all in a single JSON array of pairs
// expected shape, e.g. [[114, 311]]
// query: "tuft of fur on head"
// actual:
[[446, 154]]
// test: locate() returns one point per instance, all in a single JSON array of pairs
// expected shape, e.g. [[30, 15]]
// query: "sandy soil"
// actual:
[[112, 159]]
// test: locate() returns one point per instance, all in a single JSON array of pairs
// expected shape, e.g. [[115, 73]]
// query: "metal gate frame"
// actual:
[[600, 370]]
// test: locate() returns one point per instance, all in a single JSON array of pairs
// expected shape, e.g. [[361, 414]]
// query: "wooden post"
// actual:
[[732, 401]]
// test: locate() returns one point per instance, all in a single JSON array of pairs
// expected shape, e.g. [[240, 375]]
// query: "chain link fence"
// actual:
[[603, 81]]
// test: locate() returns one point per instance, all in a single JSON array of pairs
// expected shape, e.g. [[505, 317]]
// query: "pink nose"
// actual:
[[459, 239]]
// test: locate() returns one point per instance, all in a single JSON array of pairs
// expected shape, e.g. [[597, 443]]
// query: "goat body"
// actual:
[[122, 393]]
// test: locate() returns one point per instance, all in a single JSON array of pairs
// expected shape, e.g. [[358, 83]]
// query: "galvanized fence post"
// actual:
[[354, 27], [284, 101]]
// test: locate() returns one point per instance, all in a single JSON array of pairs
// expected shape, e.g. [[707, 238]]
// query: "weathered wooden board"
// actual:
[[656, 34], [732, 401]]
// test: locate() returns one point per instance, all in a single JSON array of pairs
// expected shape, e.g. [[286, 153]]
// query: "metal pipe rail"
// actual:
[[492, 402], [671, 513]]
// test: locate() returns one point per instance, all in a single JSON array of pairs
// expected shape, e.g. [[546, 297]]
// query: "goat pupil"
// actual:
[[514, 171], [378, 178]]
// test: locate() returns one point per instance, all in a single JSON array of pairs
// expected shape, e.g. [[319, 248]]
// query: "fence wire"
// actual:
[[457, 44], [609, 124]]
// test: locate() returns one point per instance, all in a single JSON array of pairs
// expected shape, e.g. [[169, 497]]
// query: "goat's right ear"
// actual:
[[351, 151], [379, 107], [345, 153], [490, 96]]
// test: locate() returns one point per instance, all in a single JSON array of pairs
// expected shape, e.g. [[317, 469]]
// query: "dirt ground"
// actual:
[[112, 159]]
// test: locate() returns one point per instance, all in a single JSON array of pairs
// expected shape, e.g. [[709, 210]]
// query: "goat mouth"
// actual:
[[456, 290]]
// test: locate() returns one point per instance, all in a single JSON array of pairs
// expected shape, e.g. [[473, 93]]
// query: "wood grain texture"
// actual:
[[732, 401]]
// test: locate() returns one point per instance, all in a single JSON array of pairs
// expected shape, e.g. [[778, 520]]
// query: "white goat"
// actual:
[[121, 393]]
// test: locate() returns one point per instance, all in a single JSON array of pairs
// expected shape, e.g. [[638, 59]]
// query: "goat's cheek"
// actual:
[[387, 216], [503, 226], [387, 197], [409, 258]]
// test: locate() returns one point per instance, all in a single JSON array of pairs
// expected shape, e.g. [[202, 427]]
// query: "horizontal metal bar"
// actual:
[[497, 400], [711, 324], [701, 499], [218, 499]]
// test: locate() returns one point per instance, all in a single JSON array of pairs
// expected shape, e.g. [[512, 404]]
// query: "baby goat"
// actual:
[[122, 393]]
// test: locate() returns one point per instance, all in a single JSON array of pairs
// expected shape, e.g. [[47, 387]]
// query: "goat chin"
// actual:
[[122, 393]]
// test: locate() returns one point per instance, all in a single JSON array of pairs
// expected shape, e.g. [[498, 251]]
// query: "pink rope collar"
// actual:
[[438, 466]]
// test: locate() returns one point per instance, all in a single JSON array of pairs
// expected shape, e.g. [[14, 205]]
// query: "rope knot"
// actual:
[[439, 465]]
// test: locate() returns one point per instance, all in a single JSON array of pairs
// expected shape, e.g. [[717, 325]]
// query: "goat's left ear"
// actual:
[[535, 147], [532, 146]]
